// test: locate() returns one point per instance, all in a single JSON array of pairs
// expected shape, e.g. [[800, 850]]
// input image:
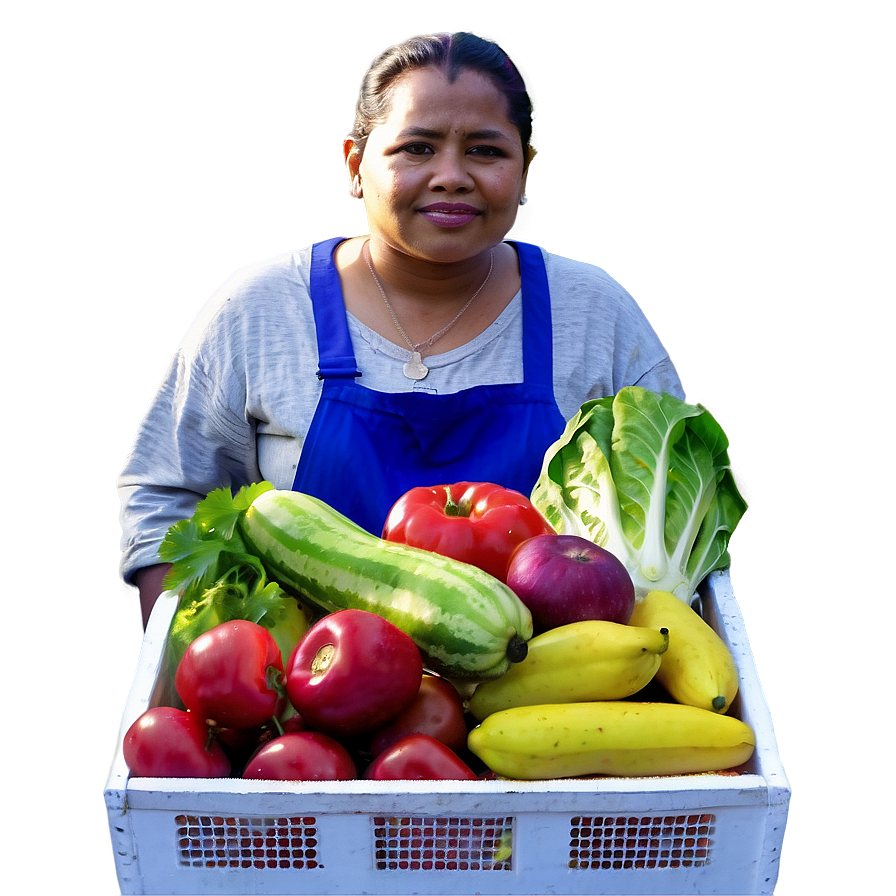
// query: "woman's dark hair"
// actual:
[[453, 53]]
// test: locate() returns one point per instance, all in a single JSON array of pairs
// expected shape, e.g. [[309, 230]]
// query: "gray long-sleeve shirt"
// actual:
[[242, 388]]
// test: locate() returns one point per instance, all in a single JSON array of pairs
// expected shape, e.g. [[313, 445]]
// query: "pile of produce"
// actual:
[[484, 634], [353, 698]]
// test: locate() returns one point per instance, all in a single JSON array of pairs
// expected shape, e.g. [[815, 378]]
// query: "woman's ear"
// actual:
[[523, 199], [531, 152], [353, 165]]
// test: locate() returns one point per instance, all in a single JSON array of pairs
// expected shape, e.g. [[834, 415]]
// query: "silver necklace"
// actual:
[[414, 368]]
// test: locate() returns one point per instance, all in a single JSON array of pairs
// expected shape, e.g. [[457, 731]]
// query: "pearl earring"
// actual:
[[523, 200]]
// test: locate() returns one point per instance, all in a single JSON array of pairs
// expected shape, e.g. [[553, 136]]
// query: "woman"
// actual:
[[427, 352]]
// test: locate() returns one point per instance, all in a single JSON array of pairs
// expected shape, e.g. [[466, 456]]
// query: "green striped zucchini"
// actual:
[[466, 623]]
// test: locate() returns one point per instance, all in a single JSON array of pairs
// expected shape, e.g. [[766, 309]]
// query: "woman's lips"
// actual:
[[449, 214]]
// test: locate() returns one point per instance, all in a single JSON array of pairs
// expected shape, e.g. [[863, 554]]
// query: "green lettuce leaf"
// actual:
[[646, 476]]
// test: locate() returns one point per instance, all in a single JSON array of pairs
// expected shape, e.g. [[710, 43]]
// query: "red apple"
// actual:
[[567, 578]]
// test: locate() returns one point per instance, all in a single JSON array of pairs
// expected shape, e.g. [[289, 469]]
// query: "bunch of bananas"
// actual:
[[564, 712]]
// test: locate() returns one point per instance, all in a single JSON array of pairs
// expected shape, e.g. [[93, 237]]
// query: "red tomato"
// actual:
[[232, 675], [301, 756], [352, 672], [419, 757], [240, 743], [170, 743], [437, 710], [475, 522]]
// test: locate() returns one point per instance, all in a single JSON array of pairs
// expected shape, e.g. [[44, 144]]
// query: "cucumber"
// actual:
[[467, 623]]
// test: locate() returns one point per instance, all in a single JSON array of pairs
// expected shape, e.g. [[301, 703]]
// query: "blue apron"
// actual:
[[365, 449]]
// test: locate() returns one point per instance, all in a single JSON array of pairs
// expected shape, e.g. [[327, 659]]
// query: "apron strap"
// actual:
[[336, 357], [538, 346]]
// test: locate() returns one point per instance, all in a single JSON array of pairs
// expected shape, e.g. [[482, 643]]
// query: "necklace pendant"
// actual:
[[414, 368]]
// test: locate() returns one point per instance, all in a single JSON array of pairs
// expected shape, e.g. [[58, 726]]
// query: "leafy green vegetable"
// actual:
[[646, 476], [206, 546], [219, 579]]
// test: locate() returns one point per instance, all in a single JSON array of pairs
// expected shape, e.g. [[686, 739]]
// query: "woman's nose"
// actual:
[[451, 173]]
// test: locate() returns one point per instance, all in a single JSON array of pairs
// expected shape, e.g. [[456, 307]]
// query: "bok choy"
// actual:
[[647, 477]]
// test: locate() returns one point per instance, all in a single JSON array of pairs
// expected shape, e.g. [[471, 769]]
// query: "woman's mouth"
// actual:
[[449, 214]]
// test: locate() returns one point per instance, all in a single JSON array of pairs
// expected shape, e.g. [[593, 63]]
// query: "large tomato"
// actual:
[[418, 757], [352, 672], [437, 710], [165, 742], [301, 756], [479, 523], [232, 675]]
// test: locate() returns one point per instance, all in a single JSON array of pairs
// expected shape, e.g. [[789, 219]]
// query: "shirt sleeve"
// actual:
[[602, 339], [662, 377], [232, 409], [189, 443]]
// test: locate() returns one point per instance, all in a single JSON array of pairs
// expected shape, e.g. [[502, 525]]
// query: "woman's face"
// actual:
[[443, 175]]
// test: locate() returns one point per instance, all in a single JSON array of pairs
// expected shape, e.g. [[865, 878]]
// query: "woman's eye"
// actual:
[[416, 149], [486, 151]]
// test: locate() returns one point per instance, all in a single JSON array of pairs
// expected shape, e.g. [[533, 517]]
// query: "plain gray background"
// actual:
[[729, 164]]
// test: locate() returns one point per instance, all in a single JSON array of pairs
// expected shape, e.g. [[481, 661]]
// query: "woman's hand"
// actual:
[[149, 583]]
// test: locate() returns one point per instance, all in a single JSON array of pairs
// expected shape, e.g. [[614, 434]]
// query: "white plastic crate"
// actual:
[[713, 833]]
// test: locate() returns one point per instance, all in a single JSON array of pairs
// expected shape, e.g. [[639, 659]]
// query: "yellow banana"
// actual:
[[698, 668], [589, 660], [613, 737]]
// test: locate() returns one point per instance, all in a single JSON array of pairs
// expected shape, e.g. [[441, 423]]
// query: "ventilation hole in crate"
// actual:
[[442, 844], [213, 841], [665, 841]]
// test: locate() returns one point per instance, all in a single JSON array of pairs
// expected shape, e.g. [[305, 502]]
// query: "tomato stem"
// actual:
[[211, 739], [275, 680], [452, 508], [323, 659]]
